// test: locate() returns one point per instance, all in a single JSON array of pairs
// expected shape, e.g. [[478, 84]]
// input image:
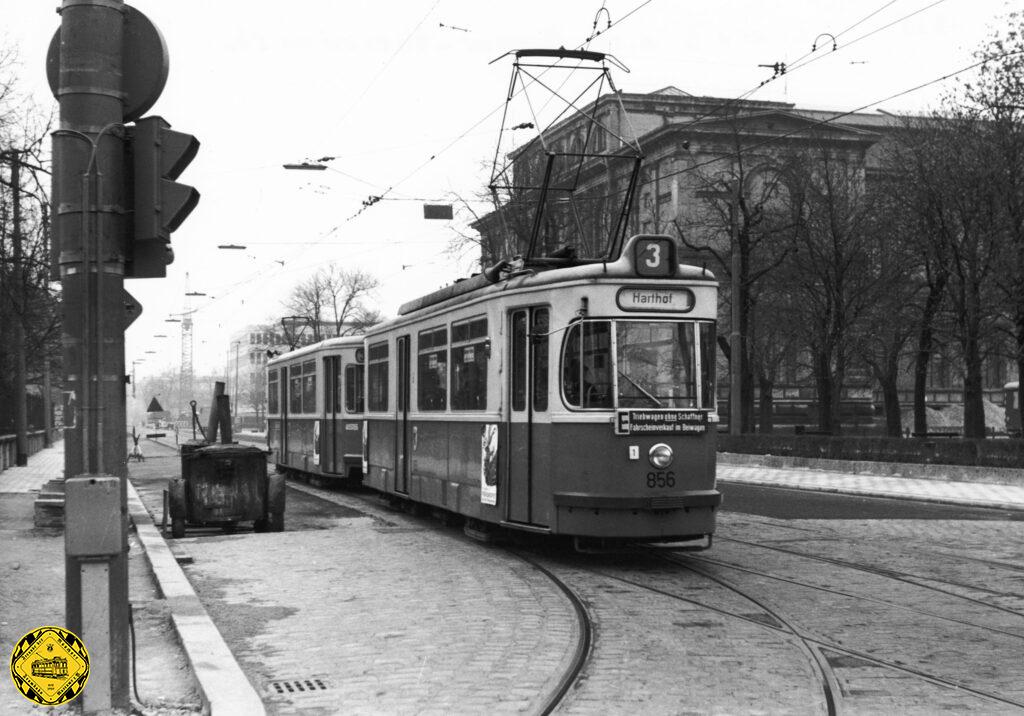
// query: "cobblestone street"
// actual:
[[382, 614], [359, 608]]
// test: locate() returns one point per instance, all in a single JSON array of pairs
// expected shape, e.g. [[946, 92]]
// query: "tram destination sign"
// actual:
[[653, 298], [661, 422]]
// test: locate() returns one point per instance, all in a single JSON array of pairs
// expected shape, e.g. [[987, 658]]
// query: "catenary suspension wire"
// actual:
[[798, 64], [724, 105], [487, 116], [388, 62]]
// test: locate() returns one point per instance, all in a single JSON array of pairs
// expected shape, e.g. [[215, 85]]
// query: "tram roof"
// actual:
[[338, 342], [543, 272]]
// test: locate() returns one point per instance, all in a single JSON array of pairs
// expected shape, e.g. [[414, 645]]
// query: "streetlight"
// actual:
[[306, 166]]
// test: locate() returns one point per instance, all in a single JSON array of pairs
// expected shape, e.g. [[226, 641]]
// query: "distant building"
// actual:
[[679, 133]]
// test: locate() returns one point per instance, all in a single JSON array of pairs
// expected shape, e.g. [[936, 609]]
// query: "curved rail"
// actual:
[[817, 643], [905, 577], [583, 644]]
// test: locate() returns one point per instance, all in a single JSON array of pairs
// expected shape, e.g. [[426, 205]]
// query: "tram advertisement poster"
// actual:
[[661, 422], [489, 464]]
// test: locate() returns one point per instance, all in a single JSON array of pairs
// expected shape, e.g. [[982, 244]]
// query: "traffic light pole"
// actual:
[[89, 207]]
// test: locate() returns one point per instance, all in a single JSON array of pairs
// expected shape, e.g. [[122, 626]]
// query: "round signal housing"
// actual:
[[660, 456]]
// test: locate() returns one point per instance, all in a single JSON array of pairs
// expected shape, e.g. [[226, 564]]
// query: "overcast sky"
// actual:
[[401, 93]]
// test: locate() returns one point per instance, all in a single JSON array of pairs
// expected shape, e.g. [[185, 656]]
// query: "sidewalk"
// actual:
[[829, 476], [32, 595]]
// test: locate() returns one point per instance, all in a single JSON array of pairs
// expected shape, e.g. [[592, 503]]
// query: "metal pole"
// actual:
[[88, 215], [234, 395], [735, 339]]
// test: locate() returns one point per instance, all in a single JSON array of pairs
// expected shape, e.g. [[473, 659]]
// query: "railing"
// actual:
[[9, 446]]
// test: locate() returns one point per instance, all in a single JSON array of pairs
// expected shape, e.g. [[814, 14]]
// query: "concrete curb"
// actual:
[[224, 688]]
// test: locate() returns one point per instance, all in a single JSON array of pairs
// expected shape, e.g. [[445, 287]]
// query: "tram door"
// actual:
[[282, 397], [402, 427], [330, 460], [528, 399]]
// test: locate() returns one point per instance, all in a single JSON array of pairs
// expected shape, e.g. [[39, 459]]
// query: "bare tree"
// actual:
[[750, 189], [998, 98], [29, 311], [333, 301], [830, 282]]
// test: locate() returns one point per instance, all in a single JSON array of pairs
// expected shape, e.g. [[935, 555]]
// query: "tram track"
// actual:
[[833, 660], [876, 600], [811, 649], [817, 643], [583, 645], [916, 580], [565, 681]]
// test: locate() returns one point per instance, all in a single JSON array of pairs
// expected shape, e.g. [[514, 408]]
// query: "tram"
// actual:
[[315, 409], [573, 399], [569, 389]]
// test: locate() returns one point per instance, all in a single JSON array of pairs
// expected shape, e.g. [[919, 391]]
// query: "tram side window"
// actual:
[[377, 376], [432, 369], [469, 364], [309, 387], [539, 369], [295, 389], [334, 365], [272, 393], [586, 365], [354, 388], [707, 365]]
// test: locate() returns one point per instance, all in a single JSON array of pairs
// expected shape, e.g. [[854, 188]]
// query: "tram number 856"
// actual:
[[661, 479]]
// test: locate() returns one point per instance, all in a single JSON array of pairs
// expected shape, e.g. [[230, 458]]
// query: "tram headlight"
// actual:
[[660, 456]]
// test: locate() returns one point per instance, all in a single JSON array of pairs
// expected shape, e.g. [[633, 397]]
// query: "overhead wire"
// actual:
[[388, 62], [383, 196], [492, 113], [797, 64]]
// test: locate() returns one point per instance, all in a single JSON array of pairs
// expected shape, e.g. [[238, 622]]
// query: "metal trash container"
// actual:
[[224, 485], [187, 448]]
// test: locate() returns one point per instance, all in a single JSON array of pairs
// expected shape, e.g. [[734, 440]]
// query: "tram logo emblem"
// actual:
[[50, 666]]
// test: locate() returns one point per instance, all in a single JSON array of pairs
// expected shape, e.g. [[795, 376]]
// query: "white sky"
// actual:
[[383, 87]]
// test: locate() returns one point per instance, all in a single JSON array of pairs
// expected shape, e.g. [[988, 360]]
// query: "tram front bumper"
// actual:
[[657, 517], [675, 501]]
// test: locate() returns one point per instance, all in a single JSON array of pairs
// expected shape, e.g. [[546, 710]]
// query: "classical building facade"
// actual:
[[695, 150]]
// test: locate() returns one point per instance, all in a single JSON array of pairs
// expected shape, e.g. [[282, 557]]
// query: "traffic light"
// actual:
[[156, 156]]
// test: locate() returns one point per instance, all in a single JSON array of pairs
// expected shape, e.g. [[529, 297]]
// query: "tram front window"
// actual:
[[654, 367]]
